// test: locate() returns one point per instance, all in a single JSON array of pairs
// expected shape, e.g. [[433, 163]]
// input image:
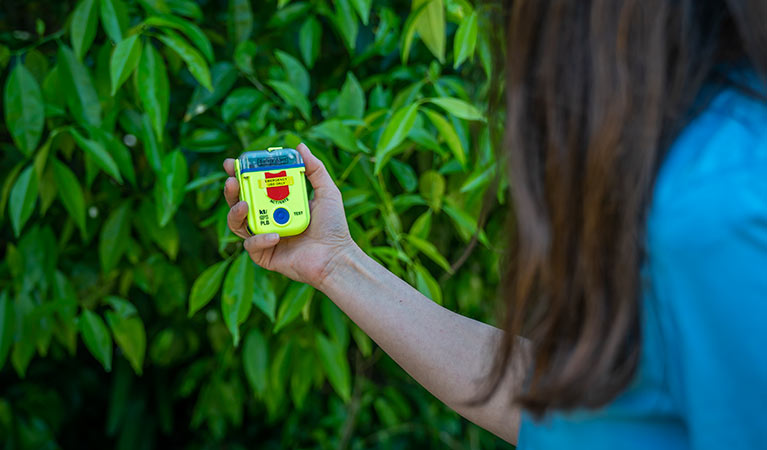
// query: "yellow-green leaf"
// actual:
[[193, 59], [458, 108], [465, 40], [448, 133], [296, 297], [395, 132], [431, 26]]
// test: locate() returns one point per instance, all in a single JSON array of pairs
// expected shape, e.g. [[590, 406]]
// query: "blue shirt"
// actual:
[[702, 377]]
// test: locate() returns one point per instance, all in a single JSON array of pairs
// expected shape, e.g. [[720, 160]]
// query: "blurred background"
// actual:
[[130, 318]]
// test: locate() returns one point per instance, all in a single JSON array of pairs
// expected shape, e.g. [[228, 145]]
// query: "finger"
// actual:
[[237, 220], [261, 242], [229, 166], [315, 171], [231, 191]]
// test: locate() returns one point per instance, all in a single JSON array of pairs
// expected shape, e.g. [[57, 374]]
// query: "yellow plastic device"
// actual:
[[273, 184]]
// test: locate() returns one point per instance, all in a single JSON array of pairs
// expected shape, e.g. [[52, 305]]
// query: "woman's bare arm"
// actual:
[[447, 353]]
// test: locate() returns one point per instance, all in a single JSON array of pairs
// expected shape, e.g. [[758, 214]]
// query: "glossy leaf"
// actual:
[[309, 41], [82, 28], [130, 336], [351, 100], [264, 297], [114, 18], [426, 284], [240, 101], [336, 366], [79, 89], [70, 192], [22, 199], [194, 61], [206, 286], [465, 40], [224, 75], [292, 96], [237, 294], [99, 154], [430, 26], [346, 23], [396, 131], [409, 29], [447, 132], [96, 337], [294, 71], [114, 237], [189, 29], [432, 188], [170, 186], [458, 108], [404, 174], [294, 300], [430, 250], [23, 108], [255, 361], [363, 9], [125, 58], [152, 78]]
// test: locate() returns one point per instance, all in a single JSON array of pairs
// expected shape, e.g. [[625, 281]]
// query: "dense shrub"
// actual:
[[130, 316]]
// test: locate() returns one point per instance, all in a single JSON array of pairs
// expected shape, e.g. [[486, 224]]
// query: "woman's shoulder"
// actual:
[[715, 174]]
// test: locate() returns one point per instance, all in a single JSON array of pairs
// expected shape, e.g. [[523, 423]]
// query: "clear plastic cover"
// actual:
[[259, 159]]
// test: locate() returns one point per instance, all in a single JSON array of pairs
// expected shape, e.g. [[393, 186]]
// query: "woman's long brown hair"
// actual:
[[596, 90]]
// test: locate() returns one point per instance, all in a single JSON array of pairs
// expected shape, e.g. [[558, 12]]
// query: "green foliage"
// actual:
[[130, 313]]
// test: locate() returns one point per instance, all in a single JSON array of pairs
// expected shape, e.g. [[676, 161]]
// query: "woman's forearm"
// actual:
[[447, 353]]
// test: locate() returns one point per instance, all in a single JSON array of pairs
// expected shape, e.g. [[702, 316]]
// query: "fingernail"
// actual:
[[272, 237]]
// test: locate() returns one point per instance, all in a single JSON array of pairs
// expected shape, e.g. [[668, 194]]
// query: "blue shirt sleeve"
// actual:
[[707, 254]]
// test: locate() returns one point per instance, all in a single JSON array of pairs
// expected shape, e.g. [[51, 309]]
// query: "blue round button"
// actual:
[[281, 216]]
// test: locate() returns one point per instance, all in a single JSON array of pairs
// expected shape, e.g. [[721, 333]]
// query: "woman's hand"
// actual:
[[310, 256]]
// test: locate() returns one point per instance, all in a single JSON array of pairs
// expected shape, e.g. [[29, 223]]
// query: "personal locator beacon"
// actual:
[[273, 184]]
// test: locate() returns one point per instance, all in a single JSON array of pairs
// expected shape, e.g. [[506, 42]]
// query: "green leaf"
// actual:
[[82, 29], [426, 284], [432, 187], [194, 61], [241, 16], [409, 29], [292, 96], [458, 108], [97, 338], [153, 88], [170, 186], [363, 9], [131, 338], [309, 41], [255, 361], [190, 30], [224, 75], [7, 317], [338, 133], [296, 297], [422, 225], [465, 224], [295, 72], [79, 89], [431, 26], [395, 132], [70, 192], [114, 19], [99, 154], [125, 58], [479, 179], [237, 294], [119, 152], [346, 23], [446, 130], [351, 100], [334, 321], [23, 106], [404, 174], [152, 149], [336, 366], [206, 286], [114, 236], [430, 250], [23, 198], [465, 40], [264, 296], [240, 101]]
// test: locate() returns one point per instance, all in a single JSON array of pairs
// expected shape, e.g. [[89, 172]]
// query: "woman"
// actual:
[[637, 148]]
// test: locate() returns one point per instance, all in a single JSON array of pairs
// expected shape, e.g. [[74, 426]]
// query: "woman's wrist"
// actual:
[[344, 258]]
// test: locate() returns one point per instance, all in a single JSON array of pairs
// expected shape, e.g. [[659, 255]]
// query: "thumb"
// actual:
[[315, 170]]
